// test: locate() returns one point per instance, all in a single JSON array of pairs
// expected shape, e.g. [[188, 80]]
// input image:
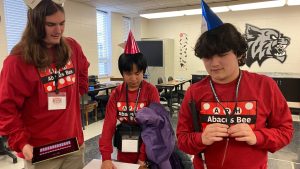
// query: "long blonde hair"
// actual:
[[32, 47]]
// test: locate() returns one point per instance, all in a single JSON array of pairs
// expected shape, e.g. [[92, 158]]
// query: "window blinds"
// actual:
[[102, 43], [15, 13]]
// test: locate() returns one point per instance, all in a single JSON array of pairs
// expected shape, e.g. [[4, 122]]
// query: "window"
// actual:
[[15, 13], [126, 27], [103, 44]]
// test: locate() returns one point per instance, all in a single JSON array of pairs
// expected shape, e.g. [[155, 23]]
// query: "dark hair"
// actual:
[[32, 47], [220, 40], [126, 62]]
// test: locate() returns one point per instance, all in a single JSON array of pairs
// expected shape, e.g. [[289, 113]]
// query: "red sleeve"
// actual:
[[109, 127], [142, 155], [83, 73], [15, 86], [82, 66], [188, 140], [279, 129], [154, 95]]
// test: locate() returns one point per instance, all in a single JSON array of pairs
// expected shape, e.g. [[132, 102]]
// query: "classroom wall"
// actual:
[[284, 19], [138, 28], [116, 39], [82, 27], [79, 25]]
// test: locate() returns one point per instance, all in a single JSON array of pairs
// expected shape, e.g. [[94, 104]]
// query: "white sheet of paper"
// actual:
[[130, 146], [96, 163]]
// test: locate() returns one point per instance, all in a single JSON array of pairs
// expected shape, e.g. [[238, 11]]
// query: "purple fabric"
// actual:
[[157, 134]]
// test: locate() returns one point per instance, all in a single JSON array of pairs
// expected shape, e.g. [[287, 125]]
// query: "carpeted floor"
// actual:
[[91, 149]]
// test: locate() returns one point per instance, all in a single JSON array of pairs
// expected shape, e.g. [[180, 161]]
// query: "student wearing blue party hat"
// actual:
[[241, 116]]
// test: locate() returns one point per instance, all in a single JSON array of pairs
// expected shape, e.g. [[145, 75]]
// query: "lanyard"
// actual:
[[236, 97], [136, 101], [55, 74]]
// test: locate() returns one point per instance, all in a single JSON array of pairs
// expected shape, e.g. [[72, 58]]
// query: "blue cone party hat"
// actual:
[[209, 19]]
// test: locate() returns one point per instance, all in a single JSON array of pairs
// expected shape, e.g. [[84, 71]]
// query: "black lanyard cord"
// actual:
[[136, 101], [236, 96], [55, 75]]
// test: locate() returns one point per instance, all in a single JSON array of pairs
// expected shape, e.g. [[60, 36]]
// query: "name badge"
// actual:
[[54, 150], [57, 101], [130, 144]]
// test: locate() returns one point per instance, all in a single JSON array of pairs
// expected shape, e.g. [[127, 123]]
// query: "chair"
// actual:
[[176, 92], [5, 151], [90, 107], [170, 78], [160, 81], [102, 102], [165, 96], [160, 91], [179, 93]]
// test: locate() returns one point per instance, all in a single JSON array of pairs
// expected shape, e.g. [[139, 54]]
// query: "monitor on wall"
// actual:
[[152, 51]]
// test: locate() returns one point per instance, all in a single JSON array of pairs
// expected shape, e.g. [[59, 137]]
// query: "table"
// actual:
[[96, 163], [294, 107], [169, 86], [103, 87]]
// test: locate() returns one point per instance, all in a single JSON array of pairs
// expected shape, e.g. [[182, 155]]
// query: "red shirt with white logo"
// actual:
[[260, 104], [116, 109], [24, 114]]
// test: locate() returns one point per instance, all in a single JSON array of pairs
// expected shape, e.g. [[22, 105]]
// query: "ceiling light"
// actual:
[[192, 12], [162, 14], [220, 9], [257, 5], [182, 13], [293, 2], [197, 11]]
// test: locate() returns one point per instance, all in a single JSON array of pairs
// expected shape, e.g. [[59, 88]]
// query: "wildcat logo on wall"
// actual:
[[183, 41], [265, 43]]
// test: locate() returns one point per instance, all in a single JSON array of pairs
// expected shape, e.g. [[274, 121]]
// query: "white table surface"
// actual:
[[96, 164]]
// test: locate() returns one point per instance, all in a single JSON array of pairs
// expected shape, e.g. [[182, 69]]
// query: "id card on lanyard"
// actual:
[[57, 101], [130, 142]]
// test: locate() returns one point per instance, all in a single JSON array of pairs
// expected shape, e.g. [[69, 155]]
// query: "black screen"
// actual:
[[152, 51]]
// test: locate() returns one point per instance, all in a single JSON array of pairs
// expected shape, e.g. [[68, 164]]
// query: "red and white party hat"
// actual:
[[131, 46]]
